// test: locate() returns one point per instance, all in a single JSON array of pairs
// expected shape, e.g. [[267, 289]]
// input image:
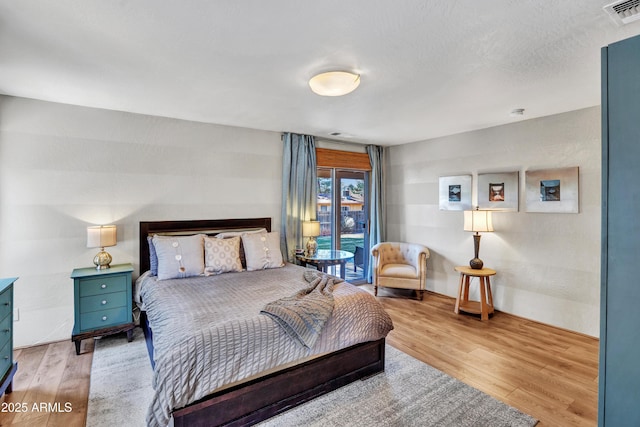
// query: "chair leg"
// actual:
[[375, 291], [420, 294]]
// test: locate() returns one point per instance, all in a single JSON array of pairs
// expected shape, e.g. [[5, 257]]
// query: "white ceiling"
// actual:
[[429, 67]]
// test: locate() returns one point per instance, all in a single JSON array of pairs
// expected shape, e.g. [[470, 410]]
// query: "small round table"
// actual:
[[484, 307], [325, 258]]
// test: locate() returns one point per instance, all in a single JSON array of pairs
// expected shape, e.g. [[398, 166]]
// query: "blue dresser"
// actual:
[[8, 367], [102, 302]]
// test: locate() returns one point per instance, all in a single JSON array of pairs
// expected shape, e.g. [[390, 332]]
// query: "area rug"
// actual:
[[120, 390], [408, 393]]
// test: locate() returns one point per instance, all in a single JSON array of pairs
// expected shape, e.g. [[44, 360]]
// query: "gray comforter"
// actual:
[[208, 331]]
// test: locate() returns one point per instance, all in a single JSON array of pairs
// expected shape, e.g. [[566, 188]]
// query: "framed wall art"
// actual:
[[552, 190], [498, 191], [455, 193]]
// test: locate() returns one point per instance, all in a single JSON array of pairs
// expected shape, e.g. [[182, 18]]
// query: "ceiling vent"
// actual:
[[624, 12]]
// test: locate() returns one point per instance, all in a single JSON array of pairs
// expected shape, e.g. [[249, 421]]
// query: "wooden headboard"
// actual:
[[205, 226]]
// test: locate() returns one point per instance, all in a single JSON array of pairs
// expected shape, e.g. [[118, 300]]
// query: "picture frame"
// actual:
[[455, 192], [552, 190], [499, 191]]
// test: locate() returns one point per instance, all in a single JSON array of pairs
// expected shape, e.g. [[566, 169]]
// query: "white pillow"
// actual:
[[179, 256], [221, 255], [227, 234], [262, 250]]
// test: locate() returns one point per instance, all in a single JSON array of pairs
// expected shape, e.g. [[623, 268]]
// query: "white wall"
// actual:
[[63, 168], [548, 264]]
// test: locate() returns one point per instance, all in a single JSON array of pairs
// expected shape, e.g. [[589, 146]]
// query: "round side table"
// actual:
[[323, 259], [484, 307]]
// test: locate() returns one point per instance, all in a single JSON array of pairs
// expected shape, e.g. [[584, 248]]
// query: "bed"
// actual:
[[200, 383]]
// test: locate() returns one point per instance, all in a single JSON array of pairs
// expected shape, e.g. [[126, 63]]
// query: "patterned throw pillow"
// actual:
[[221, 255], [262, 250], [227, 234], [179, 257]]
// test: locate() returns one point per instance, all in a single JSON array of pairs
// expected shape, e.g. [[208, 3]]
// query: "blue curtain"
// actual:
[[299, 189], [377, 202]]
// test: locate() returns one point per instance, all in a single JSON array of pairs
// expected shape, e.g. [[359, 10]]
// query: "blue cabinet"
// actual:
[[619, 376], [8, 367], [102, 302]]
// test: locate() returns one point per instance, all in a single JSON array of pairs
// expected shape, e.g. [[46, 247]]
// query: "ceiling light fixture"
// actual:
[[334, 83]]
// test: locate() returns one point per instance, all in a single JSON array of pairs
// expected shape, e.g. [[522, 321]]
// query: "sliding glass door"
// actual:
[[343, 216]]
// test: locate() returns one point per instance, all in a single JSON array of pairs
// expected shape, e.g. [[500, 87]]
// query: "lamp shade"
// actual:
[[311, 228], [334, 83], [101, 236], [478, 221]]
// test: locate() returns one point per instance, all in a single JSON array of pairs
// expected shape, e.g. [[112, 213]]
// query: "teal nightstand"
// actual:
[[102, 302], [8, 367]]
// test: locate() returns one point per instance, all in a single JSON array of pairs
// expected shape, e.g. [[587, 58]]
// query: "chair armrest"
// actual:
[[375, 250], [421, 252]]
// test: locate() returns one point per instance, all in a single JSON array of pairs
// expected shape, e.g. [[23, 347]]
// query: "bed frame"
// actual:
[[256, 400]]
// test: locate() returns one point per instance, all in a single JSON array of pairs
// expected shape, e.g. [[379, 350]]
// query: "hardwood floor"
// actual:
[[546, 372], [51, 387]]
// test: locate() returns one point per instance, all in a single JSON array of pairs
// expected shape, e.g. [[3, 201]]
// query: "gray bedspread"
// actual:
[[208, 331]]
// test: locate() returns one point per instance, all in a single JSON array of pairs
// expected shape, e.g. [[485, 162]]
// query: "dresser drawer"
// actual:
[[5, 330], [6, 298], [6, 359], [101, 285], [103, 302], [104, 318]]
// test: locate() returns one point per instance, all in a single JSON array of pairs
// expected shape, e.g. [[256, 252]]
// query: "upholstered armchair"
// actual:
[[400, 265]]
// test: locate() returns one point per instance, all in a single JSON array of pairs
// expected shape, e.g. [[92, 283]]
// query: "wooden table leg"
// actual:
[[484, 309], [467, 282], [489, 294], [456, 310]]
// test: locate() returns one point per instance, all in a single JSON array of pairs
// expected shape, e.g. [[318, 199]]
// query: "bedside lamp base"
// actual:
[[476, 264], [312, 246], [102, 260]]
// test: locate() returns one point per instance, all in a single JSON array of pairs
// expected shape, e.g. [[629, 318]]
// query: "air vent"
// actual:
[[624, 12], [341, 134]]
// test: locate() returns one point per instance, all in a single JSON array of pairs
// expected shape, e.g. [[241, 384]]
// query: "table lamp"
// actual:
[[101, 236], [311, 229], [478, 221]]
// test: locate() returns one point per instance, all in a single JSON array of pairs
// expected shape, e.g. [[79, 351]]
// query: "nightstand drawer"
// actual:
[[5, 302], [6, 358], [104, 318], [101, 285], [103, 302], [5, 331]]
